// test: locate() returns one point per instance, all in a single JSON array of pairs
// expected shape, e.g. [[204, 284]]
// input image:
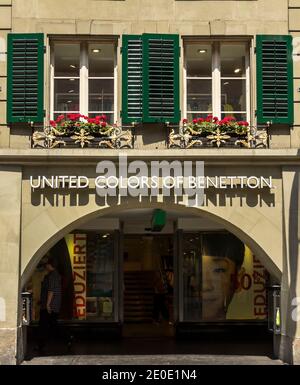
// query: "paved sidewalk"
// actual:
[[154, 360]]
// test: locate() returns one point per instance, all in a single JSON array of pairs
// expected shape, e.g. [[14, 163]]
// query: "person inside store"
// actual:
[[160, 307], [222, 260], [50, 303]]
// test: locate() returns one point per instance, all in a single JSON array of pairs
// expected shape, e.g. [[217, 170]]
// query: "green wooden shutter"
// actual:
[[274, 79], [25, 78], [161, 78], [132, 84]]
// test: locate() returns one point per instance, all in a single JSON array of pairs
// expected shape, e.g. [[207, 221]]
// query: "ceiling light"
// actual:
[[72, 66], [72, 80], [237, 70], [96, 50], [226, 83], [202, 50], [69, 101], [71, 91]]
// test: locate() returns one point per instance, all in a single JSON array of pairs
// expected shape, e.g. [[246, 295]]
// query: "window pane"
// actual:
[[196, 115], [199, 95], [110, 117], [218, 284], [101, 60], [101, 95], [100, 276], [66, 95], [233, 57], [238, 117], [198, 59], [66, 59], [233, 95], [57, 114]]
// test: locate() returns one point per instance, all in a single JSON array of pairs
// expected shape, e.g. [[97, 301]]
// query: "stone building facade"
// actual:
[[267, 220]]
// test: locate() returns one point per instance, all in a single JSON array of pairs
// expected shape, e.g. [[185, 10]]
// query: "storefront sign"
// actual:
[[157, 178], [77, 246]]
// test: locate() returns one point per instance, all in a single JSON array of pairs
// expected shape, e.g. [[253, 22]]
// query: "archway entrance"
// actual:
[[148, 274]]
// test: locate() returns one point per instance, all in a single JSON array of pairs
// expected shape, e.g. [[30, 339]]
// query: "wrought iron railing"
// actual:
[[187, 137], [114, 137], [118, 137]]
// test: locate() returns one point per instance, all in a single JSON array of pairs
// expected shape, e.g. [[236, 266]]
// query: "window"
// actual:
[[90, 294], [216, 80], [83, 79], [219, 279]]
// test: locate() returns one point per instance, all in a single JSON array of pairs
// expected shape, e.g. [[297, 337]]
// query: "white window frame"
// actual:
[[83, 78], [216, 80]]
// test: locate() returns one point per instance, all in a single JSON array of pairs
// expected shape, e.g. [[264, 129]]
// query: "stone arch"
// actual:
[[259, 243]]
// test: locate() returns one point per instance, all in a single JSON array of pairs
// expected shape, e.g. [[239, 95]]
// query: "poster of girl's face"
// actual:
[[217, 286], [221, 279]]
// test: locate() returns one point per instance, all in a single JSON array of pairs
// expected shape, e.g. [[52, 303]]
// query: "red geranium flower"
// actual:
[[73, 117], [52, 123], [228, 119], [184, 121], [243, 123], [103, 124], [60, 118], [231, 119]]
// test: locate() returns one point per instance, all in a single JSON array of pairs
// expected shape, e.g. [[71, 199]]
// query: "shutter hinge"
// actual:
[[45, 49], [254, 49], [121, 113], [121, 50], [179, 51], [255, 112], [44, 113]]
